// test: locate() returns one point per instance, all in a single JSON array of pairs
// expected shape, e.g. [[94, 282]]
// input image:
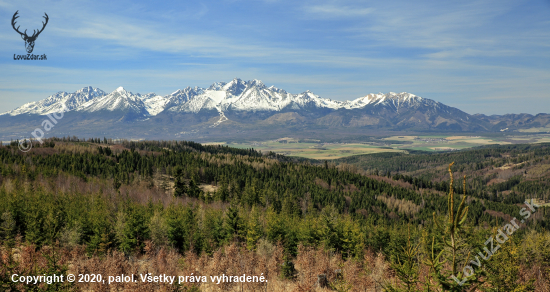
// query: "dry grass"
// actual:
[[402, 206], [233, 260], [367, 274]]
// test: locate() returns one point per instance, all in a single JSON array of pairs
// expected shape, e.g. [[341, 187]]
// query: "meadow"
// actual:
[[319, 150]]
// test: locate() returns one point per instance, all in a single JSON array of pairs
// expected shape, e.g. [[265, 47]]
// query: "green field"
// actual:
[[314, 150], [436, 143]]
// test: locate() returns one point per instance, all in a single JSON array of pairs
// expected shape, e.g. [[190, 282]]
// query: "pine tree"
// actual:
[[453, 248], [234, 224], [116, 183], [406, 266], [180, 187], [193, 190], [504, 270], [222, 194], [253, 230]]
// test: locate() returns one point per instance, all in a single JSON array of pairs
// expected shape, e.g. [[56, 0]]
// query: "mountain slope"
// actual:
[[119, 100], [247, 109], [236, 95], [56, 102]]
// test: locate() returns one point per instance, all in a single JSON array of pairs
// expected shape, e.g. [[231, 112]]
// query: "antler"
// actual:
[[43, 26], [13, 23]]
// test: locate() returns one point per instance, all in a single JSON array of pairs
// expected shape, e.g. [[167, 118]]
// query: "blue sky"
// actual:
[[489, 57]]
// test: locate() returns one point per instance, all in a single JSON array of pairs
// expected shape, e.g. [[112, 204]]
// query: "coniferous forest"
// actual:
[[382, 222]]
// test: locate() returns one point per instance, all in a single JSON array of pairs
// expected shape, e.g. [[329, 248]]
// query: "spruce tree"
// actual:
[[194, 190], [180, 187]]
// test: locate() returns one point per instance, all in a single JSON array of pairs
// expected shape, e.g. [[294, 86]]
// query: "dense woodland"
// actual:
[[373, 217], [493, 171]]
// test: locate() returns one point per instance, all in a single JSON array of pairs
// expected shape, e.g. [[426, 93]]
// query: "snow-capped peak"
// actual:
[[118, 100], [235, 86], [236, 95], [59, 101], [85, 89]]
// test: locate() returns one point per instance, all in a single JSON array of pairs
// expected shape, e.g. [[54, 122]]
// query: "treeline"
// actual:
[[102, 223], [471, 159], [261, 182], [147, 145], [499, 173], [242, 180]]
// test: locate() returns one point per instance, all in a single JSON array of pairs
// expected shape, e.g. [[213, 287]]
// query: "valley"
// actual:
[[316, 149]]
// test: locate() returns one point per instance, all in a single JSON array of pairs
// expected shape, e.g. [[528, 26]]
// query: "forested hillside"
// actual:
[[92, 199], [501, 173]]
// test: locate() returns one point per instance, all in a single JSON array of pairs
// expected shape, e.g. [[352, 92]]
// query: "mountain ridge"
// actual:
[[250, 109], [237, 95]]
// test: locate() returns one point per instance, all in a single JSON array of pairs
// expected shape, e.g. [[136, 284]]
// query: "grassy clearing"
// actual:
[[401, 138], [438, 143], [315, 150], [535, 130]]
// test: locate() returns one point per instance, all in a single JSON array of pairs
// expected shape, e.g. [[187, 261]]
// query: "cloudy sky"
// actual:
[[488, 56]]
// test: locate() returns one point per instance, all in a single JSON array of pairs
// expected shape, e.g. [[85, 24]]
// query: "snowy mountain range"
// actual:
[[236, 95], [247, 109], [54, 103]]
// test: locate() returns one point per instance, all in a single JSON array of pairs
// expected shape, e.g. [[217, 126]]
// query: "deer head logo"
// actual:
[[29, 40]]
